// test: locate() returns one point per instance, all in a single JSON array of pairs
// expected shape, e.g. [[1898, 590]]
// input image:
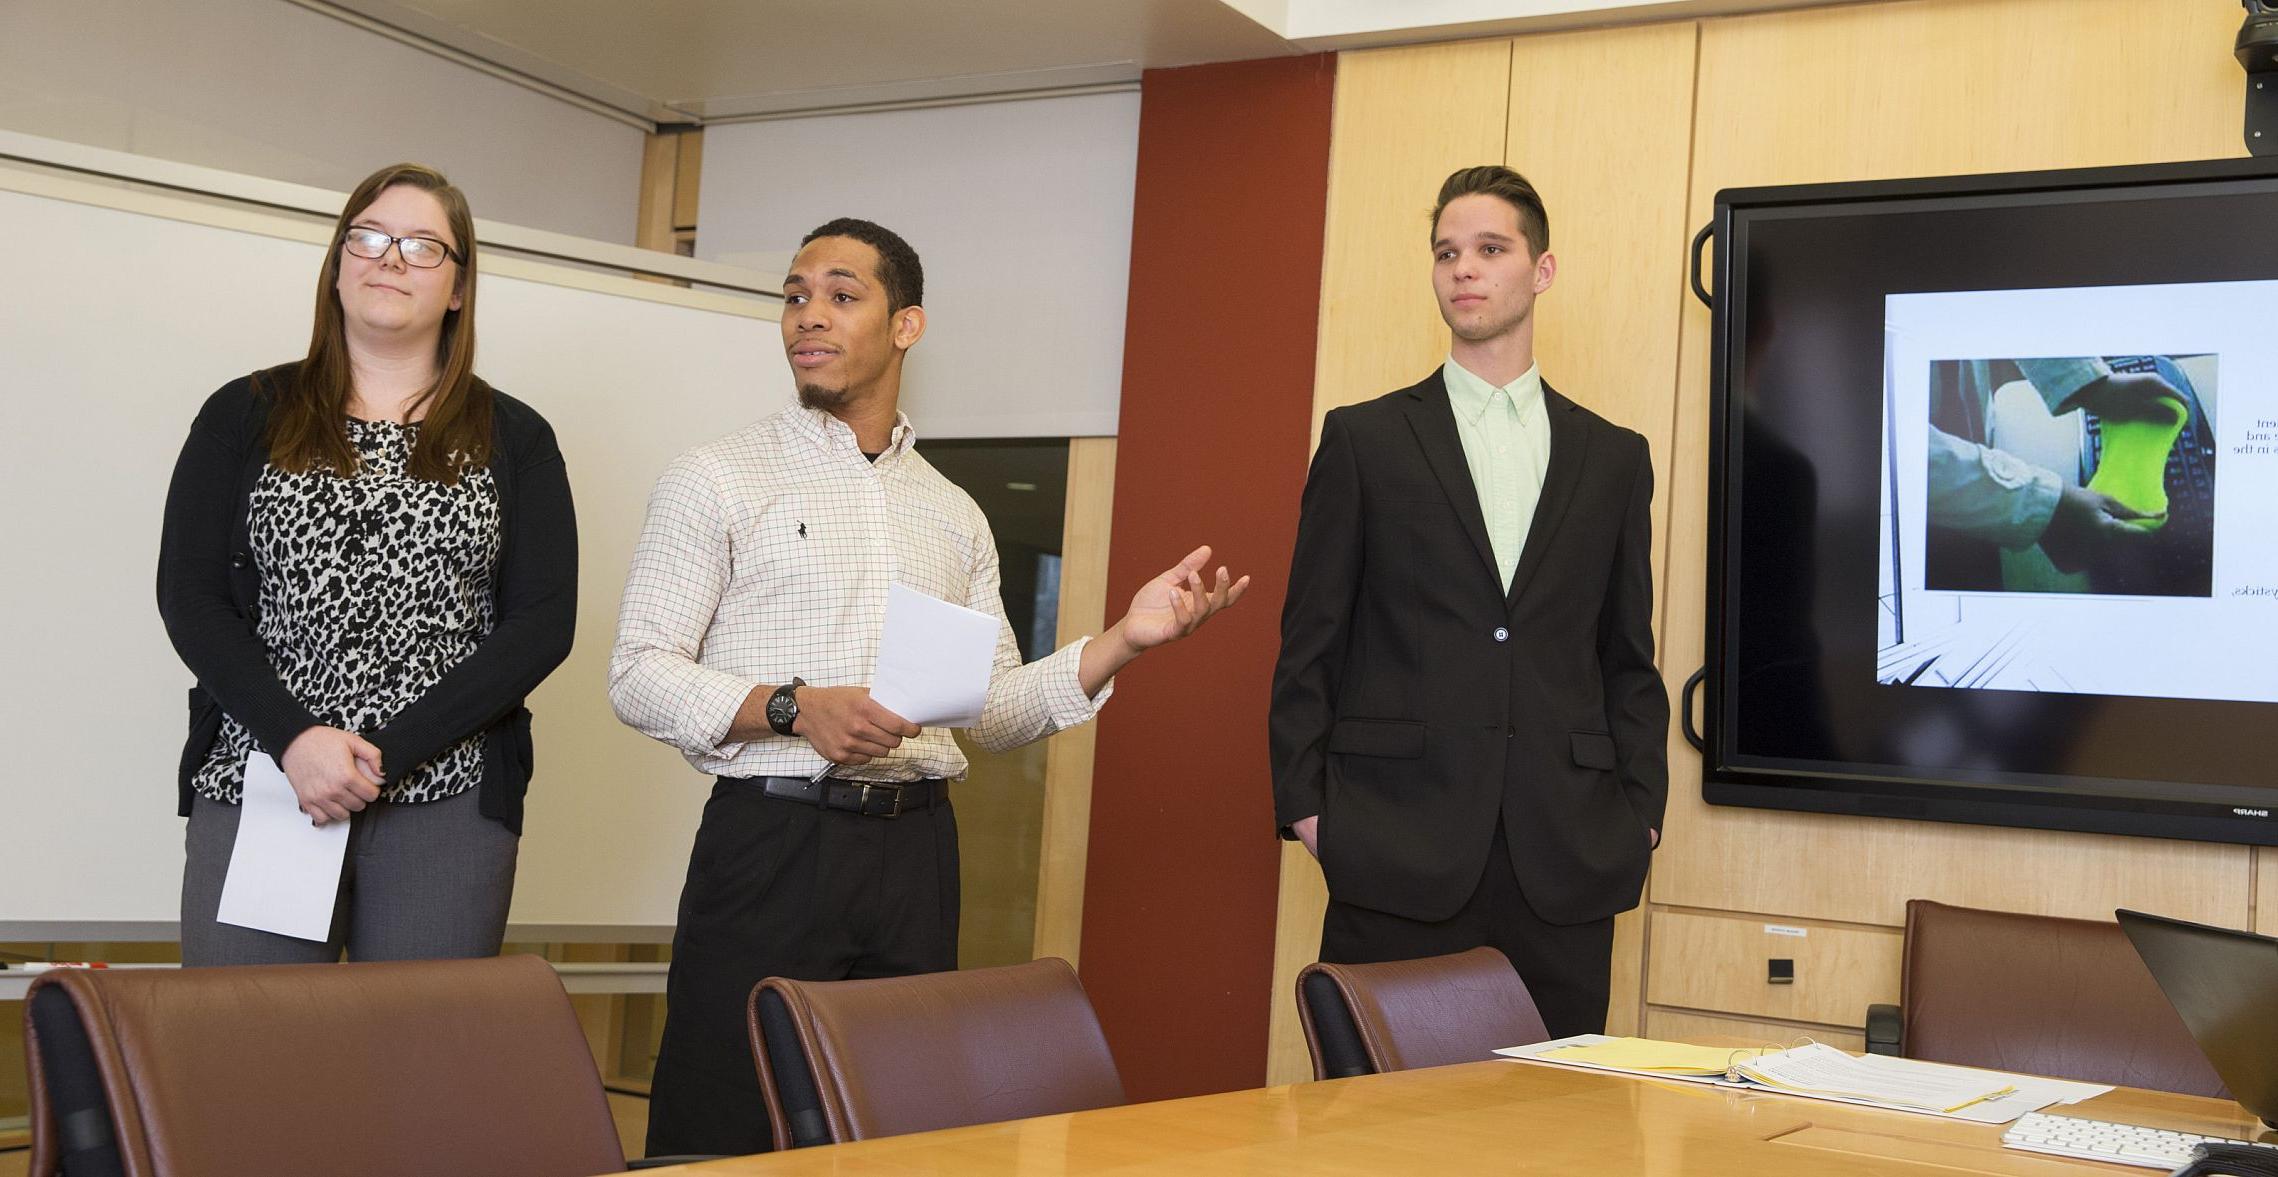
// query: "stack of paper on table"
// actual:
[[1818, 1071]]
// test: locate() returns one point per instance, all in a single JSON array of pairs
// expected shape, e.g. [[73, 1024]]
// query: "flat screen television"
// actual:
[[1993, 516]]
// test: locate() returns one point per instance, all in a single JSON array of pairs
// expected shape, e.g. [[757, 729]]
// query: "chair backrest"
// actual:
[[433, 1067], [2041, 995], [1362, 1019], [852, 1060]]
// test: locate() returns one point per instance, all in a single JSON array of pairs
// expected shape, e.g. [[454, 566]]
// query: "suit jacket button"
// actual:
[[1502, 634]]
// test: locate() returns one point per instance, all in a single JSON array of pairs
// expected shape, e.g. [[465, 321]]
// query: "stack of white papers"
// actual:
[[1818, 1071]]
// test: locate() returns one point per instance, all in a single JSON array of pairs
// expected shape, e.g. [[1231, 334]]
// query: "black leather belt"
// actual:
[[868, 798]]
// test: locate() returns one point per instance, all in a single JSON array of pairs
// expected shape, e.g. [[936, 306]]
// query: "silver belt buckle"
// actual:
[[869, 787]]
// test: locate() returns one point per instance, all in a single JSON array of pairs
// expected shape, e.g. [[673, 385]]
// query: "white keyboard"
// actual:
[[2102, 1140]]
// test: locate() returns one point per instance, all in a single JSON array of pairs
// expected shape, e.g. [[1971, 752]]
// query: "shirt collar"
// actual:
[[829, 432], [1469, 394]]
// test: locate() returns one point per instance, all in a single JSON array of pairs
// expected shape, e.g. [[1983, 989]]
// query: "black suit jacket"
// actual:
[[1415, 701]]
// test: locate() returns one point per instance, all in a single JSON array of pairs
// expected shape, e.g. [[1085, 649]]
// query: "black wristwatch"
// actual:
[[783, 706]]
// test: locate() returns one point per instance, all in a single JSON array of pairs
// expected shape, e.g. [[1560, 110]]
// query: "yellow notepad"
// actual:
[[1647, 1054]]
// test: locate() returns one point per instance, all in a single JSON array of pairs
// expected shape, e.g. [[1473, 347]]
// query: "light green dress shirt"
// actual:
[[1506, 442]]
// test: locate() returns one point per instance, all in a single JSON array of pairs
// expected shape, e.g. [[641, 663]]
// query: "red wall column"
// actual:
[[1180, 886]]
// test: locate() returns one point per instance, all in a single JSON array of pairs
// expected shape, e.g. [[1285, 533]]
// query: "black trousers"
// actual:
[[785, 889], [1567, 967]]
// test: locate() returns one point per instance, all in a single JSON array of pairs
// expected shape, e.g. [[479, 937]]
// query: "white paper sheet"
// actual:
[[283, 873], [934, 660]]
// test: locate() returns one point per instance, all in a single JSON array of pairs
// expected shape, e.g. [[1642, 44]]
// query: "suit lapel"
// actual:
[[1569, 446], [1433, 419]]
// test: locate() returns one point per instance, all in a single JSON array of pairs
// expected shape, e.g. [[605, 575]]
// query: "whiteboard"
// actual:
[[121, 311]]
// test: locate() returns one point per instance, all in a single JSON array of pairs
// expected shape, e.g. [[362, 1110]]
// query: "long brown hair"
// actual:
[[307, 428]]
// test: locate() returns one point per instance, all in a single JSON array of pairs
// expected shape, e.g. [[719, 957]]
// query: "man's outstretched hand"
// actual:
[[1165, 609], [1175, 604]]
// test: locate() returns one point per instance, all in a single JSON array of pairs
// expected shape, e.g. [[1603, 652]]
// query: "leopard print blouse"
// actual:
[[372, 588]]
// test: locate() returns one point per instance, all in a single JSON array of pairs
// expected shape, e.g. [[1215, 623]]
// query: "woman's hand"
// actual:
[[333, 772]]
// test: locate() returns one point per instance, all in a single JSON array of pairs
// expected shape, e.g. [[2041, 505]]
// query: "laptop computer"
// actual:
[[2225, 986]]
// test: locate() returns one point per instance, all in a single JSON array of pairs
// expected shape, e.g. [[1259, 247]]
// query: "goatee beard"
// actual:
[[816, 396]]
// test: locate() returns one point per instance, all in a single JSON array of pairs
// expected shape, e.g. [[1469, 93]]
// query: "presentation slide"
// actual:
[[2080, 491]]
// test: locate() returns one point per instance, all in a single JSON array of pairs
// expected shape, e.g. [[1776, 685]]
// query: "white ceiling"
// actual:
[[667, 61], [705, 60]]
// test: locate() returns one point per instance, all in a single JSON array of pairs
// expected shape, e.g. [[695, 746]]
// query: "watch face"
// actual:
[[783, 706]]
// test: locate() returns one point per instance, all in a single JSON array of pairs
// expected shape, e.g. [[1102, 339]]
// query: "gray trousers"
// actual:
[[422, 881]]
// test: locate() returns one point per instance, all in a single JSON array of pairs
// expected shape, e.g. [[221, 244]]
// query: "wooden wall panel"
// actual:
[[1086, 523], [1303, 899], [1687, 1026], [687, 179], [2266, 891], [1601, 121], [1929, 87], [660, 179], [15, 1083], [1404, 118], [1703, 961]]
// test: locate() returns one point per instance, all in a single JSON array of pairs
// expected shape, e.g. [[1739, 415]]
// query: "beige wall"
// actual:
[[284, 92], [1630, 133]]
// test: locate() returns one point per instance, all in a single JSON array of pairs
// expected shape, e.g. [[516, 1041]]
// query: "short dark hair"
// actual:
[[898, 267], [1506, 185]]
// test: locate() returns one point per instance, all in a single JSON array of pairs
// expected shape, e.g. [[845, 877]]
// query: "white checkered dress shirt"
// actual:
[[766, 554]]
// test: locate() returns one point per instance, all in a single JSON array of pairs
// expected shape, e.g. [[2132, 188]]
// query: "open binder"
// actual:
[[1818, 1071]]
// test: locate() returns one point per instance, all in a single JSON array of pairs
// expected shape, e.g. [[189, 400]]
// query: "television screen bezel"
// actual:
[[1875, 794]]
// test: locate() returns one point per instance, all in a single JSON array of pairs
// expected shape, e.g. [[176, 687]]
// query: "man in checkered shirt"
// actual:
[[747, 637]]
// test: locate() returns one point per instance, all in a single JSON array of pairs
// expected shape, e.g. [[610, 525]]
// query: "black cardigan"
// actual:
[[209, 594]]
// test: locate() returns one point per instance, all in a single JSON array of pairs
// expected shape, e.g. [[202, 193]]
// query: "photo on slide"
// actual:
[[2050, 515], [2071, 474]]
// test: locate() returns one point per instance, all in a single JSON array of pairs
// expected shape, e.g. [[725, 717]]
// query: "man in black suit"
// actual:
[[1467, 724]]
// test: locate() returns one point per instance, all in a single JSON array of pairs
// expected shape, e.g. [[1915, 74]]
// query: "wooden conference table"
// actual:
[[1490, 1117]]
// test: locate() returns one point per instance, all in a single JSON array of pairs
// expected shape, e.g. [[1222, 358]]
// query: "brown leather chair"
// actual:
[[852, 1060], [433, 1067], [1363, 1019], [2038, 995]]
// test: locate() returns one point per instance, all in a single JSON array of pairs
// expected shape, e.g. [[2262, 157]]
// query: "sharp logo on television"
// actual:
[[2251, 812]]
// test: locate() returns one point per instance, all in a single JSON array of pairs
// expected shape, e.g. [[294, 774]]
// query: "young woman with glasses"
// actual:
[[369, 558]]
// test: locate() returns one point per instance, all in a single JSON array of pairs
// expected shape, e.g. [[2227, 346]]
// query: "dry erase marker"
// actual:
[[41, 966]]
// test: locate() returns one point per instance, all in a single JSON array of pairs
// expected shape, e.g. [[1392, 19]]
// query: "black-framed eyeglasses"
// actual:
[[424, 253]]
